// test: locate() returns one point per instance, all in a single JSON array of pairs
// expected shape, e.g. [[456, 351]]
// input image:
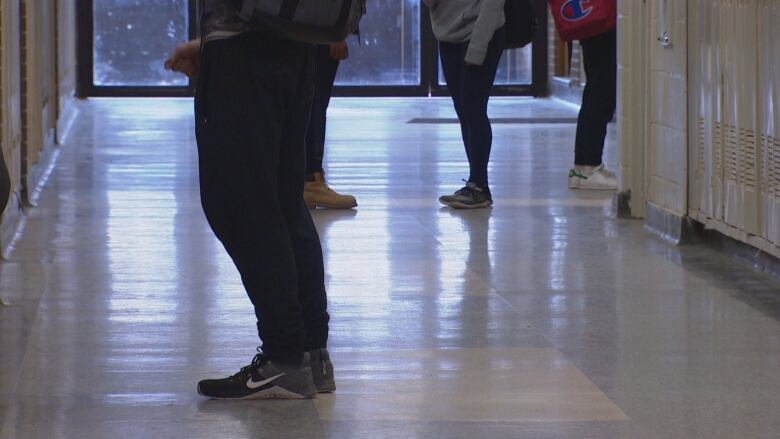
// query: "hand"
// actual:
[[339, 51], [185, 59]]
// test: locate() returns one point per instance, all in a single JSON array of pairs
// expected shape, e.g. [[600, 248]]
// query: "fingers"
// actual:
[[186, 66], [339, 51], [185, 58]]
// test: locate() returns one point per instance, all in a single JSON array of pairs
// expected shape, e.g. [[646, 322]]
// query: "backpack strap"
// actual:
[[287, 11]]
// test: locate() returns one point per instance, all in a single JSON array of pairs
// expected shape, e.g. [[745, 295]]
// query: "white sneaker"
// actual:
[[599, 179]]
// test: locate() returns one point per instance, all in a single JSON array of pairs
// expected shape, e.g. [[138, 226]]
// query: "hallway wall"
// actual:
[[704, 132], [38, 65], [11, 128], [734, 150]]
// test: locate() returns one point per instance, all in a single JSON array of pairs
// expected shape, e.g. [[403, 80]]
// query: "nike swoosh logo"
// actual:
[[257, 384]]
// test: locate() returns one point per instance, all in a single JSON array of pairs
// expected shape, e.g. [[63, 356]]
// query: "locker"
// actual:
[[10, 90], [40, 100], [738, 130], [706, 156], [769, 122]]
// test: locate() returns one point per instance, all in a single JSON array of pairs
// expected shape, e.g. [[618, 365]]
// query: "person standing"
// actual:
[[252, 105], [316, 191], [471, 40], [599, 100]]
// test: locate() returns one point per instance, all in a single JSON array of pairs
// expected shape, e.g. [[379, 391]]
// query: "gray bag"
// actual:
[[309, 21]]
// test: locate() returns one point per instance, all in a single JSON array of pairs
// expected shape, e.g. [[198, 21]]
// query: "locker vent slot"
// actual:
[[717, 149], [774, 166], [700, 150], [732, 153], [765, 148], [747, 157]]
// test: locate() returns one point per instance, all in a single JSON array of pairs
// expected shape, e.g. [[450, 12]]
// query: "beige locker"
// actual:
[[10, 113], [10, 89], [769, 117], [66, 65], [739, 61], [40, 92], [706, 88]]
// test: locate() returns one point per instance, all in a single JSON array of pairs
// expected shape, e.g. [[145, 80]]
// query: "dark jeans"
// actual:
[[252, 106], [599, 98], [470, 88], [325, 69]]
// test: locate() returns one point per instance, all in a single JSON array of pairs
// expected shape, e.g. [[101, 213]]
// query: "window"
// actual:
[[124, 43], [132, 39], [515, 68], [388, 52]]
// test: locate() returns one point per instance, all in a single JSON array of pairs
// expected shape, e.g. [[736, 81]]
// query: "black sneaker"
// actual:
[[470, 196], [322, 370], [263, 379]]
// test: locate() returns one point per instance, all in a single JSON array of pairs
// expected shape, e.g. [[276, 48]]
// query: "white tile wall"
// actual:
[[667, 107], [631, 111]]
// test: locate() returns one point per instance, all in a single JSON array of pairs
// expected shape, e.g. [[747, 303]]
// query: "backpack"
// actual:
[[582, 19], [308, 21], [521, 23]]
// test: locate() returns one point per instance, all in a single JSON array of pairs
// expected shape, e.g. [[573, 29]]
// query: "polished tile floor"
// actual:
[[540, 318]]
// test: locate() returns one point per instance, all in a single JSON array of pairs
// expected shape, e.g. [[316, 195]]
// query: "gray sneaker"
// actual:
[[322, 370], [470, 196], [263, 379]]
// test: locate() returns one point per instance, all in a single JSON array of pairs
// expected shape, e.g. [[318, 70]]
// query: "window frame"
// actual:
[[429, 69], [86, 61]]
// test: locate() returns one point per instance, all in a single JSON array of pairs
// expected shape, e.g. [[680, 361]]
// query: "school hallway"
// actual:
[[543, 317]]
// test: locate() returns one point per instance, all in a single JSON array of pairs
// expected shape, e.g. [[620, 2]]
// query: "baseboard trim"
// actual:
[[39, 173], [677, 229], [682, 230], [10, 224], [757, 258], [621, 205], [68, 114]]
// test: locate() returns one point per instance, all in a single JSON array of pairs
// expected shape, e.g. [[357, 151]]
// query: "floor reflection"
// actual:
[[541, 317]]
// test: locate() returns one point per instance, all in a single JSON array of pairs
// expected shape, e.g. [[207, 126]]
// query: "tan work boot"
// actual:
[[318, 194]]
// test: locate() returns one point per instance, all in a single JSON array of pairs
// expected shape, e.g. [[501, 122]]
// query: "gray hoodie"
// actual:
[[475, 21]]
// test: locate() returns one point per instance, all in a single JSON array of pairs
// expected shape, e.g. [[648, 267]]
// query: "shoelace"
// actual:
[[465, 190], [258, 361]]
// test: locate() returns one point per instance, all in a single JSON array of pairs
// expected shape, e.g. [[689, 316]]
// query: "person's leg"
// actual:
[[242, 110], [325, 76], [475, 91], [316, 192], [452, 57], [242, 120], [599, 98], [300, 227]]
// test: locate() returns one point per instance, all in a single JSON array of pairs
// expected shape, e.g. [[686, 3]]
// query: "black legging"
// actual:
[[599, 98], [470, 89], [251, 163], [325, 69]]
